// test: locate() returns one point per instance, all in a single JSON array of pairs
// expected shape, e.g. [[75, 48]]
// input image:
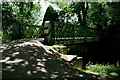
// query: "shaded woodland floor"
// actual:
[[29, 59]]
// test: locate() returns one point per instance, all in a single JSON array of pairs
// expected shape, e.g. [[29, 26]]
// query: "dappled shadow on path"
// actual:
[[25, 59]]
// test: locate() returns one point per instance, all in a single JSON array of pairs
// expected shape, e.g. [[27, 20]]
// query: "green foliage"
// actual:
[[104, 69], [50, 15], [80, 8], [100, 15], [112, 12], [57, 48], [33, 32], [16, 13], [66, 14], [96, 15]]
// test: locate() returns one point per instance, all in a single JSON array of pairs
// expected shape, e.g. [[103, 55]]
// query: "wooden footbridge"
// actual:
[[53, 33], [57, 33], [65, 33]]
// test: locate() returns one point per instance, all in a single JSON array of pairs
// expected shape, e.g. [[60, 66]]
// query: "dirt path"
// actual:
[[30, 59]]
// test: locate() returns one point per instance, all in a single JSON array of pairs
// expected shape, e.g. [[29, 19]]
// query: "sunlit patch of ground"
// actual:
[[31, 59]]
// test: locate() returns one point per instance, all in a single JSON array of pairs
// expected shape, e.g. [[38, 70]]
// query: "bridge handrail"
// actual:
[[27, 31], [73, 31]]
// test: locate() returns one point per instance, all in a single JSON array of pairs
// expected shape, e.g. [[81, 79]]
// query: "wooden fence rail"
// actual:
[[63, 33], [27, 31]]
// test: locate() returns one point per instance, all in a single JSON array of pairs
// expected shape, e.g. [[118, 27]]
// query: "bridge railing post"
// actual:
[[74, 33], [16, 31], [51, 38], [85, 34], [94, 32]]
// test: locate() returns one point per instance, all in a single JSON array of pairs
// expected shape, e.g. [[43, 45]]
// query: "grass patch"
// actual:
[[112, 70], [57, 48]]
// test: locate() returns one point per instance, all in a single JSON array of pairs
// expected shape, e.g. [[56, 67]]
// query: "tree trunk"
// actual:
[[84, 12]]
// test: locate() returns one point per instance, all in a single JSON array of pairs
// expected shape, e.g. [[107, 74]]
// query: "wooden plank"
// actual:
[[68, 57], [80, 43], [32, 26]]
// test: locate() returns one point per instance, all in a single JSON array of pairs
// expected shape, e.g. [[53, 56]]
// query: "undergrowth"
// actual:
[[108, 69]]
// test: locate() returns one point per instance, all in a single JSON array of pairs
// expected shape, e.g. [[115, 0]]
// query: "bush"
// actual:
[[104, 69]]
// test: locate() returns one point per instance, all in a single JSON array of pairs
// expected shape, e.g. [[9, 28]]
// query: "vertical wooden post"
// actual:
[[45, 32], [20, 31], [51, 38], [93, 35], [73, 33], [85, 32], [16, 33]]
